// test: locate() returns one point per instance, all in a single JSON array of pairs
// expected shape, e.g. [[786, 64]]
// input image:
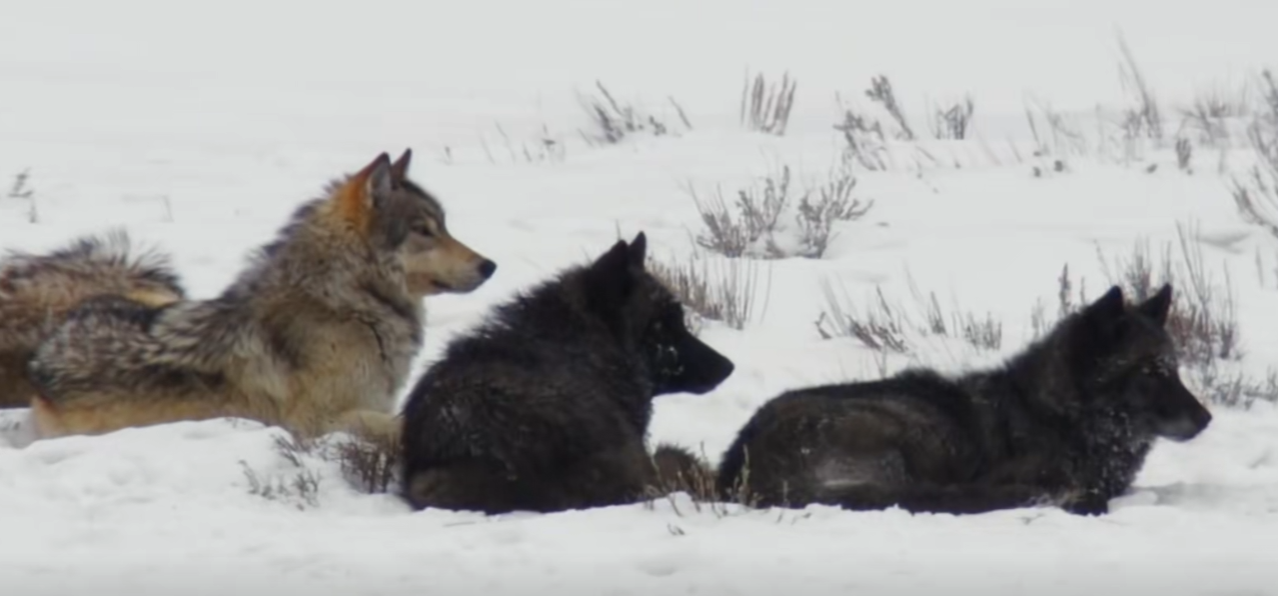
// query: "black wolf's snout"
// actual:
[[1188, 418], [486, 268], [704, 368], [1187, 426]]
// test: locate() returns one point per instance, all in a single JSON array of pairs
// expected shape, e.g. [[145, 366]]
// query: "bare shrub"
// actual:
[[368, 464], [1256, 195], [883, 327], [1143, 118], [751, 229], [1211, 112], [1055, 136], [864, 141], [1269, 97], [766, 107], [881, 92], [20, 188], [833, 203], [754, 223], [953, 122], [1184, 155], [880, 327], [300, 488], [613, 121], [725, 291], [982, 333]]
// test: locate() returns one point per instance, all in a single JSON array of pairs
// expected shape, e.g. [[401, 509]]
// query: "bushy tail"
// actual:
[[107, 264], [679, 469]]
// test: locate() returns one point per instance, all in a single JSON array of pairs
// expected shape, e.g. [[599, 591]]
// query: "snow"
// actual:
[[200, 127]]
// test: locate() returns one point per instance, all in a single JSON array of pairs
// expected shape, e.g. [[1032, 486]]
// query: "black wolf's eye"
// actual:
[[425, 231]]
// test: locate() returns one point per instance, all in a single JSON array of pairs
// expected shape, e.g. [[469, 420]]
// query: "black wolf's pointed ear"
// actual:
[[1104, 317], [638, 251], [610, 279], [399, 169], [1108, 307], [1158, 305]]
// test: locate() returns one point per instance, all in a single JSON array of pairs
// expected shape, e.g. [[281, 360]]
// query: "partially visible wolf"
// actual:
[[546, 406], [1069, 422], [38, 290], [316, 335]]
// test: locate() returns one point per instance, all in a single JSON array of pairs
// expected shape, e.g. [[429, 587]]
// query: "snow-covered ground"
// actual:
[[200, 126]]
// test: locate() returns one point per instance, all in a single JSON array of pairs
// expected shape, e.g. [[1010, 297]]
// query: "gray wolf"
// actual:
[[37, 291], [545, 407], [1067, 422], [316, 335]]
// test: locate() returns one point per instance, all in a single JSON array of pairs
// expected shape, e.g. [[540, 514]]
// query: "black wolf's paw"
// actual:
[[1088, 505], [1076, 501]]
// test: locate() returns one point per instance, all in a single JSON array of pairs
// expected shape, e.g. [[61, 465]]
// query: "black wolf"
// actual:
[[546, 406], [1069, 422]]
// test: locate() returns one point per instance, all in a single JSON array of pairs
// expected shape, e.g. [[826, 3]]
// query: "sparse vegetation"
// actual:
[[612, 121], [884, 327], [880, 327], [1143, 117], [1208, 119], [21, 186], [20, 189], [544, 148], [863, 141], [881, 92], [766, 107], [1184, 155], [724, 290], [953, 122], [367, 465], [1256, 192], [758, 228]]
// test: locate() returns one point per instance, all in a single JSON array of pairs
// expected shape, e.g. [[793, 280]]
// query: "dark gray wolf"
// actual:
[[546, 406], [38, 290], [1069, 422], [317, 335]]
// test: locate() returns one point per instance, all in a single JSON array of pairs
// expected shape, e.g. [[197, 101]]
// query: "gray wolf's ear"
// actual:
[[1158, 305], [399, 169], [355, 199], [381, 180]]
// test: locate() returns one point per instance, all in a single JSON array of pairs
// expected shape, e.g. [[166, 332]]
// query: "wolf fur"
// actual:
[[316, 335], [546, 406], [37, 291], [1069, 422]]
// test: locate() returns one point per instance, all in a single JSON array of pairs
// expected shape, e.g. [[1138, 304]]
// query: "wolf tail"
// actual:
[[89, 266], [680, 469]]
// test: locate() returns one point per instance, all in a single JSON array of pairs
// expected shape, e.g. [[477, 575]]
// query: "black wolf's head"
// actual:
[[1128, 361], [642, 311]]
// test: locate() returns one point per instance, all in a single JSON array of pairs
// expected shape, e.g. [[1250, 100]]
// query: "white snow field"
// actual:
[[199, 126]]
